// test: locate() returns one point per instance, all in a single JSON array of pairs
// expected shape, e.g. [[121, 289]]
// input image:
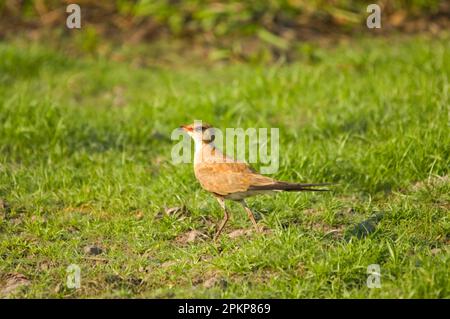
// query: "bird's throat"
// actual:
[[205, 152]]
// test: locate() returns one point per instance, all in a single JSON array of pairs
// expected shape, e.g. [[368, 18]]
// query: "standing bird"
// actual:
[[230, 179]]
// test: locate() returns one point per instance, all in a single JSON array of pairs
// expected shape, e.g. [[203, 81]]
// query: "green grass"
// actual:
[[85, 160]]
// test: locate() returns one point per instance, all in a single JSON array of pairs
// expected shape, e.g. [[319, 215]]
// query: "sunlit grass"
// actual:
[[85, 160]]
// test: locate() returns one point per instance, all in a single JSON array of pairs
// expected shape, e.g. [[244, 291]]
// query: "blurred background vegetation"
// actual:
[[219, 30]]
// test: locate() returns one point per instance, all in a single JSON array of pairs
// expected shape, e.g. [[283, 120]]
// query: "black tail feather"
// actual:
[[292, 187]]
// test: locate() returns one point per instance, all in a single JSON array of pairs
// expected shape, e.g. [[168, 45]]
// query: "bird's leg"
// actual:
[[250, 215], [225, 217]]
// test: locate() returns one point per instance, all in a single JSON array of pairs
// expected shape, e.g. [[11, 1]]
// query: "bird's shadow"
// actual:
[[359, 230], [364, 228]]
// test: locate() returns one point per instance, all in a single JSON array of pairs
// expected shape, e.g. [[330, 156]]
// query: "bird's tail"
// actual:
[[292, 187]]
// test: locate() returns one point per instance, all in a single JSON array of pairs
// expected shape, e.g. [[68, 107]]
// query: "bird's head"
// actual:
[[200, 132]]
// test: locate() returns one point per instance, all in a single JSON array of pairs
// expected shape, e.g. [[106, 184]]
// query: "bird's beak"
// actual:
[[186, 128]]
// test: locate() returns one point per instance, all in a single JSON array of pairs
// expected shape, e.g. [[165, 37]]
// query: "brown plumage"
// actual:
[[229, 179]]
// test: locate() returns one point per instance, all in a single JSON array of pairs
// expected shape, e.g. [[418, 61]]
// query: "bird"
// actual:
[[229, 179]]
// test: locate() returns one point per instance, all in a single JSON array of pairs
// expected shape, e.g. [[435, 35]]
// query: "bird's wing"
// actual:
[[229, 178]]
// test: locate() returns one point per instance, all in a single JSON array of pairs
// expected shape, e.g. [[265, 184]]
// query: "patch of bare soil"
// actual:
[[239, 233], [83, 209], [129, 282], [5, 209], [139, 215], [248, 231], [13, 283], [191, 237], [328, 230], [168, 264], [312, 211], [210, 280], [92, 250], [179, 212], [432, 182], [215, 280]]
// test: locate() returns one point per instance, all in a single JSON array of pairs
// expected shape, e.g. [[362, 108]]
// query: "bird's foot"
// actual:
[[261, 229]]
